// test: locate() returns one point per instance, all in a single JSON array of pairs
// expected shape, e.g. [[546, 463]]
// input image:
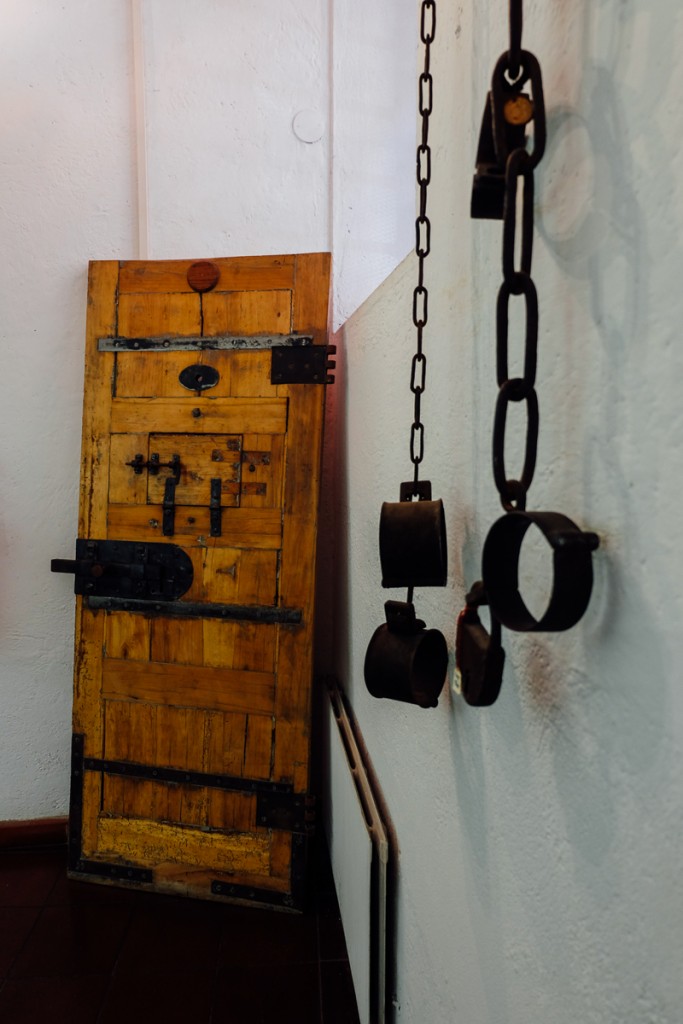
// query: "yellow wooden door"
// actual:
[[192, 714]]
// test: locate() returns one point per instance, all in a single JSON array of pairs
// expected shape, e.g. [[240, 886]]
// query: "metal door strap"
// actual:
[[196, 610], [191, 343]]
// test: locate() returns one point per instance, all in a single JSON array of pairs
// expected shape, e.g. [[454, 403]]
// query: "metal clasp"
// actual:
[[412, 539], [405, 661], [479, 655], [572, 571], [507, 112], [153, 465]]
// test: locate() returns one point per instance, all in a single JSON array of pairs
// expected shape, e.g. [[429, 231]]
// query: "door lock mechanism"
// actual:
[[153, 465], [123, 568]]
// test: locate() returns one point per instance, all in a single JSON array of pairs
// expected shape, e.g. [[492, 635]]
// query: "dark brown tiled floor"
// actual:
[[90, 954]]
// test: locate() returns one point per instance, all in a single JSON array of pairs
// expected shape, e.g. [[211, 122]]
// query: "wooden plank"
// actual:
[[87, 713], [225, 754], [241, 576], [195, 882], [154, 843], [217, 416], [195, 798], [281, 855], [262, 465], [99, 369], [259, 743], [248, 312], [125, 485], [127, 636], [236, 273], [170, 751], [139, 376], [189, 686], [242, 528], [225, 748], [177, 640], [116, 747], [312, 294], [169, 314], [250, 374], [92, 799], [254, 646], [302, 484], [140, 793]]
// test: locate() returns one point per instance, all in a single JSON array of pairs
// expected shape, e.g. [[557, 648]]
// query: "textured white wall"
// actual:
[[540, 839], [66, 187], [227, 175]]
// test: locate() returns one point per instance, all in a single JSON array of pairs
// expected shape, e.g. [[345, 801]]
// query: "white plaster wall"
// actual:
[[539, 874], [226, 176], [66, 182]]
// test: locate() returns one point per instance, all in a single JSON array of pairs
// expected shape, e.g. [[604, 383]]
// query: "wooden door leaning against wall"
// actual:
[[194, 566]]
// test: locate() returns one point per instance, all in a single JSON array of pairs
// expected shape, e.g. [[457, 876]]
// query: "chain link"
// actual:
[[423, 238], [514, 54], [513, 71]]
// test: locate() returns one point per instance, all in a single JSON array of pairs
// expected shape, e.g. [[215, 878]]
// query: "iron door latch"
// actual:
[[310, 364], [122, 568]]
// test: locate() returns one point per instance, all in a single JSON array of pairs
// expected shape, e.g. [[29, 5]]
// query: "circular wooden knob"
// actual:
[[203, 276]]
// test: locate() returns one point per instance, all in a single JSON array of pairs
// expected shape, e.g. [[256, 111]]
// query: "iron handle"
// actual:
[[82, 567]]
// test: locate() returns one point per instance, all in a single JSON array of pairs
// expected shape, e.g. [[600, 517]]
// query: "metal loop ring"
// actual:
[[518, 166], [515, 390], [522, 284], [420, 300], [502, 89], [427, 32], [425, 94], [515, 51], [423, 237], [572, 570], [417, 437], [424, 174], [419, 366]]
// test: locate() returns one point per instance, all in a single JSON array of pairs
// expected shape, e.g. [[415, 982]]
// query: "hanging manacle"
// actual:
[[503, 163], [405, 660]]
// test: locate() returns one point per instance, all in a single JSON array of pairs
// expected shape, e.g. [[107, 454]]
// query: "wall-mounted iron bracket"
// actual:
[[488, 185]]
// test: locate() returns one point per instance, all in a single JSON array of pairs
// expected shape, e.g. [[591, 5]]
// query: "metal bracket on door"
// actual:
[[215, 508], [168, 518], [302, 365], [193, 343], [153, 465], [128, 569], [196, 610]]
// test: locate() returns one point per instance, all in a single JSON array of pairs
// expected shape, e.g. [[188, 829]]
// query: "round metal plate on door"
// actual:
[[199, 377]]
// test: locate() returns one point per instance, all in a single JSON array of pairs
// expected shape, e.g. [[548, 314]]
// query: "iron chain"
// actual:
[[423, 233], [514, 70]]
